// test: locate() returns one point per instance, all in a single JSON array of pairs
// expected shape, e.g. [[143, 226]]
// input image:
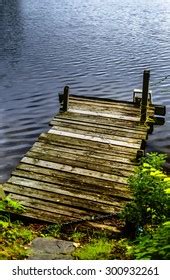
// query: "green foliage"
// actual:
[[104, 249], [11, 232], [52, 230], [154, 246], [121, 250], [95, 250], [14, 237], [149, 187], [156, 160], [77, 236], [7, 204]]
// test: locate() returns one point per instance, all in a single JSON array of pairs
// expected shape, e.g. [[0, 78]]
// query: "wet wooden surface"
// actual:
[[79, 168]]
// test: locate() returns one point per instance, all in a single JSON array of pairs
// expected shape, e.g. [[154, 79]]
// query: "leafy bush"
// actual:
[[154, 246], [156, 160], [149, 187]]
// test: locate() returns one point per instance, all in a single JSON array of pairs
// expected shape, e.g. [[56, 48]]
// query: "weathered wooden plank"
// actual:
[[119, 144], [52, 207], [103, 120], [125, 152], [115, 111], [116, 190], [102, 227], [93, 132], [100, 106], [75, 170], [76, 161], [64, 199], [96, 153], [82, 156], [108, 130], [42, 215], [99, 100], [60, 190], [54, 188], [76, 180], [98, 128], [94, 138], [93, 156], [86, 122]]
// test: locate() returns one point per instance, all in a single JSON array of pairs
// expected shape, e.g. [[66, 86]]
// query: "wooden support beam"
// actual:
[[159, 120], [145, 91], [160, 110], [64, 99], [140, 153]]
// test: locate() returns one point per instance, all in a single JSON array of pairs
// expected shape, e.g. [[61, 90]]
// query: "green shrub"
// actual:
[[154, 246], [150, 200], [156, 160]]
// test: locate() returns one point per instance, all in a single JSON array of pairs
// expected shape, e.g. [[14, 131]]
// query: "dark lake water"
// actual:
[[97, 47]]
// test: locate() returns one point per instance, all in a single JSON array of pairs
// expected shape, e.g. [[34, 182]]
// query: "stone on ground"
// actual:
[[51, 249]]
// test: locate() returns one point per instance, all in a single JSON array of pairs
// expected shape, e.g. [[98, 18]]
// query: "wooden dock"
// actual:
[[78, 170]]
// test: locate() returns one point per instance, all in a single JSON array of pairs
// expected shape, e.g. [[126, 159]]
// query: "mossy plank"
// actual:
[[94, 138], [45, 216], [75, 170], [57, 189], [52, 207], [101, 135], [102, 226], [111, 106], [105, 147], [123, 155], [93, 156], [79, 181], [134, 133], [77, 161], [64, 199], [116, 190], [102, 120], [112, 133], [106, 110], [102, 101]]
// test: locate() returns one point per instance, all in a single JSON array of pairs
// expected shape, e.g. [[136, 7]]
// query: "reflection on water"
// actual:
[[98, 48]]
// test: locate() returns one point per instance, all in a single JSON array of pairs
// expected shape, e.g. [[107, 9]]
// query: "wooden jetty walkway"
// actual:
[[79, 168]]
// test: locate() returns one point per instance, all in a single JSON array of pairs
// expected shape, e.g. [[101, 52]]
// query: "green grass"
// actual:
[[95, 250]]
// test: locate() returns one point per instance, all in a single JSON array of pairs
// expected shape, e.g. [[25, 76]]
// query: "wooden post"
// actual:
[[145, 91], [65, 99]]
